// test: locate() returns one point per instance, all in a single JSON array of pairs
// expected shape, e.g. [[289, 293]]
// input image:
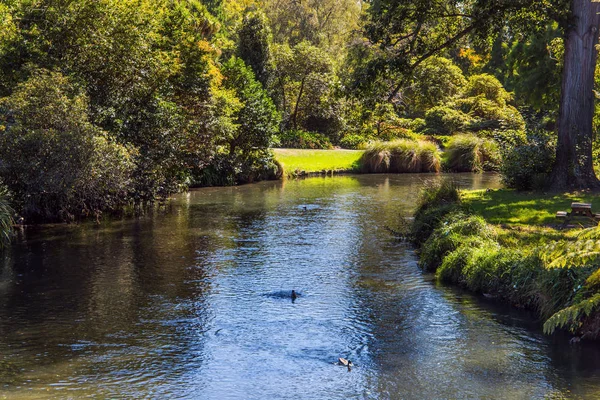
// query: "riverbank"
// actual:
[[509, 246], [300, 162]]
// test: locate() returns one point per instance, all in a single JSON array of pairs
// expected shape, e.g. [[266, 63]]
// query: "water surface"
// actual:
[[192, 302]]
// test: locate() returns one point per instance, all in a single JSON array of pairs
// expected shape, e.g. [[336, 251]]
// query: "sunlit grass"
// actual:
[[297, 161], [525, 208]]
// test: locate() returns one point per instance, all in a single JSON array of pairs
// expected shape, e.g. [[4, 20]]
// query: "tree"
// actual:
[[574, 164], [406, 33], [58, 164], [435, 81], [298, 68], [254, 46], [257, 119]]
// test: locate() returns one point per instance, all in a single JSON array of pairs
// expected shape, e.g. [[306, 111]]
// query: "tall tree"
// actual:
[[574, 164], [405, 33], [254, 46]]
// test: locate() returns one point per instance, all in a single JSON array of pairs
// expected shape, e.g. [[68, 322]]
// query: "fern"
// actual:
[[572, 316], [583, 251]]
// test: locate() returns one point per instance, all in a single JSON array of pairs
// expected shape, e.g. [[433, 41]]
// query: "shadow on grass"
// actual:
[[526, 208]]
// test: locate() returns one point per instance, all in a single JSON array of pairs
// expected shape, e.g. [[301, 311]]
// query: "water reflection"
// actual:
[[174, 305]]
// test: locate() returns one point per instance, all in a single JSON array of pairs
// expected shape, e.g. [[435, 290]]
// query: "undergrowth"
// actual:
[[553, 272]]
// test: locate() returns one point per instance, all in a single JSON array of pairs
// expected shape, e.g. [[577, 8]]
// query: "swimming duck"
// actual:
[[346, 363]]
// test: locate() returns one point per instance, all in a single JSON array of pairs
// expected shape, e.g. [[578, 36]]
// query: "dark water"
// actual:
[[193, 303]]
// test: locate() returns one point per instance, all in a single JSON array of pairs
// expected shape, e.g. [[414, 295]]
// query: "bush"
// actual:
[[488, 114], [448, 236], [506, 139], [469, 153], [443, 120], [301, 139], [55, 162], [353, 142], [528, 166], [435, 202], [489, 87], [227, 170], [401, 155]]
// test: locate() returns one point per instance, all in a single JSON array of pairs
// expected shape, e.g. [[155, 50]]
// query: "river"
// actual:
[[193, 302]]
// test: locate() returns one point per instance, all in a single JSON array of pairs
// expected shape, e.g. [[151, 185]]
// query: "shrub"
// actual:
[[301, 139], [469, 153], [448, 236], [527, 166], [353, 141], [436, 200], [55, 162], [444, 120], [488, 114], [506, 139], [401, 155], [454, 265], [489, 87]]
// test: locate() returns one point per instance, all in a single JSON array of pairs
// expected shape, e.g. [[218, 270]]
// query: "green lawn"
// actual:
[[517, 208], [296, 161]]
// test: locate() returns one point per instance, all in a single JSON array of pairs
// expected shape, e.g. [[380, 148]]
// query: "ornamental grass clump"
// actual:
[[436, 200], [402, 155], [469, 153], [451, 234]]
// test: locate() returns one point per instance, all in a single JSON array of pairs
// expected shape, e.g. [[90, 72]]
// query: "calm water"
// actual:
[[191, 303]]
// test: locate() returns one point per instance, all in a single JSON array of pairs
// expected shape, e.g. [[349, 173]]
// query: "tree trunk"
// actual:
[[295, 116], [574, 165]]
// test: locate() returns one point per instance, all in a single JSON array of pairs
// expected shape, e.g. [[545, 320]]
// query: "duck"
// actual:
[[346, 363]]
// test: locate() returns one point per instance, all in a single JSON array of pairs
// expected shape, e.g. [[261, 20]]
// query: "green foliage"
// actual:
[[401, 155], [252, 122], [436, 200], [572, 317], [527, 166], [58, 164], [489, 87], [303, 88], [354, 142], [301, 139], [584, 250], [6, 217], [469, 153], [254, 46], [450, 235], [443, 120], [435, 82]]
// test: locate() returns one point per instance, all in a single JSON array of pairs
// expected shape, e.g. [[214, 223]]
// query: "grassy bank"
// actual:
[[524, 208], [301, 162], [508, 245]]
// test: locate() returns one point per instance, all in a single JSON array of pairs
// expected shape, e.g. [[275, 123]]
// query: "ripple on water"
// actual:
[[195, 304]]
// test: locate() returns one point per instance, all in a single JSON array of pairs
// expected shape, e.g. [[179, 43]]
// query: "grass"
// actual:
[[469, 153], [509, 207], [505, 244], [401, 155], [299, 161]]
